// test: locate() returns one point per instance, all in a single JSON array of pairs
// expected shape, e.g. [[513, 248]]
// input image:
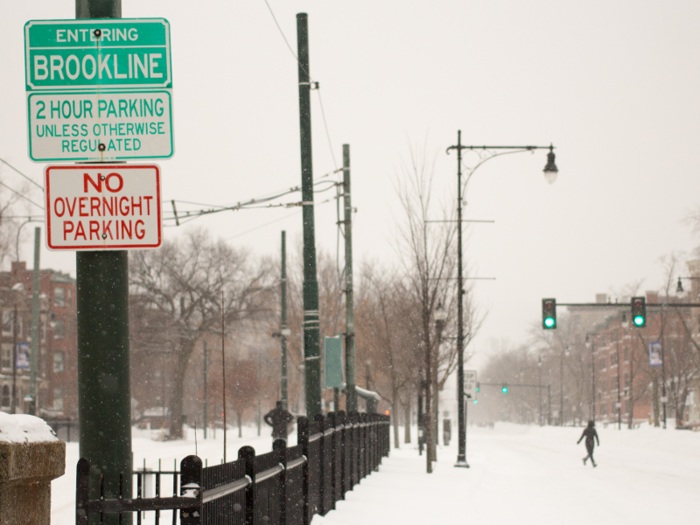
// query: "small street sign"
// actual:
[[470, 384], [98, 90], [655, 353], [103, 207], [22, 359]]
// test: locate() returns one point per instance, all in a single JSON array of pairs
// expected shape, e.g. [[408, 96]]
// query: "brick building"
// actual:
[[57, 373], [626, 384]]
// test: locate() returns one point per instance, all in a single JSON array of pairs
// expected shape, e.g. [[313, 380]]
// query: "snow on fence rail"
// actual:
[[284, 487]]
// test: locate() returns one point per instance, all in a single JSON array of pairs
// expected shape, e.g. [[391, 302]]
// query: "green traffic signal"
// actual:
[[476, 401], [549, 314], [504, 388], [639, 312]]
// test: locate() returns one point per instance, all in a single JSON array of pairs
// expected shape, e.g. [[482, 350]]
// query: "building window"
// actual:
[[7, 356], [69, 299], [58, 398], [59, 329], [7, 322], [5, 402], [58, 361], [59, 296]]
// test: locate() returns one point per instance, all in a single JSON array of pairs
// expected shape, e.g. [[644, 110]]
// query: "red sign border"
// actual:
[[47, 190]]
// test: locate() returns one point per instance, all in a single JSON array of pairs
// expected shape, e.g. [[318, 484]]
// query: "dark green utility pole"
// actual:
[[206, 408], [104, 392], [350, 392], [312, 353], [34, 356], [283, 320]]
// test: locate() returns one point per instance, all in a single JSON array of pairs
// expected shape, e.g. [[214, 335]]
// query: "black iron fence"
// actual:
[[284, 487]]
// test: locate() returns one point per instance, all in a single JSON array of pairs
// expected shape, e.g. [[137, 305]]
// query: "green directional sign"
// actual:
[[89, 54], [98, 89]]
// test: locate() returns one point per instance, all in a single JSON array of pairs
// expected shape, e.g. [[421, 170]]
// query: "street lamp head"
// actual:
[[679, 289], [440, 313], [625, 322], [550, 170]]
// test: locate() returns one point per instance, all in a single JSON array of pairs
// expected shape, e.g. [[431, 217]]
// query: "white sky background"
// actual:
[[614, 85]]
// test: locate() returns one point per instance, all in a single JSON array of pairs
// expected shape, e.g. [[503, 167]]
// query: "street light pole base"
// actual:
[[462, 463]]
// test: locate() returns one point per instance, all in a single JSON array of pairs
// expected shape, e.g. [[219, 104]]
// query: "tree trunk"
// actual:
[[176, 405], [655, 398], [240, 427], [395, 414], [407, 419]]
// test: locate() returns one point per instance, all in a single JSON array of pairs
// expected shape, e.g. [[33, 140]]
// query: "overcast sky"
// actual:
[[612, 84]]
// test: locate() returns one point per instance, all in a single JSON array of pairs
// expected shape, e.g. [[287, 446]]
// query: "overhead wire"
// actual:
[[21, 195], [22, 174]]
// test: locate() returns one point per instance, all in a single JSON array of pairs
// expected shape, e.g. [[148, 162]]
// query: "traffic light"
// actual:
[[639, 312], [549, 314], [476, 401], [478, 386], [504, 388]]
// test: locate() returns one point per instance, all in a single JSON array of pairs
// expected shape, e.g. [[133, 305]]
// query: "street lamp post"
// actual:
[[440, 318], [564, 352], [550, 174], [539, 383]]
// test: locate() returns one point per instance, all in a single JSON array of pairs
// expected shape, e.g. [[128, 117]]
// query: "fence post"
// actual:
[[363, 445], [334, 456], [321, 424], [279, 446], [355, 448], [247, 454], [82, 492], [340, 420], [303, 440], [191, 477]]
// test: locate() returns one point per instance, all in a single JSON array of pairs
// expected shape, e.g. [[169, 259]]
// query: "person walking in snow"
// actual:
[[278, 418], [589, 433]]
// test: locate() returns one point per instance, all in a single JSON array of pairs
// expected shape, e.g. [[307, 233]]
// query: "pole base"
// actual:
[[462, 463]]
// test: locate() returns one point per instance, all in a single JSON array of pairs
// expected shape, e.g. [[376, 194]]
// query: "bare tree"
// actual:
[[183, 281], [427, 252]]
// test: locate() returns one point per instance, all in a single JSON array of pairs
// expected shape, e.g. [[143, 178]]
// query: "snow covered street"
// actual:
[[518, 474], [528, 475]]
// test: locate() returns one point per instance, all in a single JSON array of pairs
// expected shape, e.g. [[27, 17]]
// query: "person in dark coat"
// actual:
[[589, 433], [278, 418]]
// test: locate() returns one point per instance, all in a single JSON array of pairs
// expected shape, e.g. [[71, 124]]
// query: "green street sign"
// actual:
[[98, 89], [88, 54]]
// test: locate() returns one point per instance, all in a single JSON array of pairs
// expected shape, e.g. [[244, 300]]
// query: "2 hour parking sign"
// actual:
[[98, 90]]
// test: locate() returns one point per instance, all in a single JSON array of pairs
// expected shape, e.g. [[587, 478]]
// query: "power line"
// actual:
[[21, 195], [263, 225], [22, 174]]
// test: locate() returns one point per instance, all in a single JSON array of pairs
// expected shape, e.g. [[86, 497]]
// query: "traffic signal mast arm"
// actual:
[[620, 305], [513, 384]]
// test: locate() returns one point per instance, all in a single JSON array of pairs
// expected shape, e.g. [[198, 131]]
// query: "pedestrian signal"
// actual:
[[549, 314], [504, 388], [639, 312]]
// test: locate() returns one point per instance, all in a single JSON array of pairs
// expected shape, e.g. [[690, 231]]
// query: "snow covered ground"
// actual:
[[518, 474]]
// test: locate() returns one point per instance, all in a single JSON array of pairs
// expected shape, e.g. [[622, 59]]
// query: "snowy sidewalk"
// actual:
[[518, 475], [535, 475]]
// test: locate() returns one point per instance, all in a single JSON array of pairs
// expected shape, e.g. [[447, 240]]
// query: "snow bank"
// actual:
[[21, 428]]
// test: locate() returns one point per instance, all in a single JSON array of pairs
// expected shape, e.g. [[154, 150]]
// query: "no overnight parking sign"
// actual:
[[98, 90], [103, 207]]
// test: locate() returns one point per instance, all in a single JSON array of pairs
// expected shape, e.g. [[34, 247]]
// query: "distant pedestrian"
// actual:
[[589, 433], [278, 418]]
